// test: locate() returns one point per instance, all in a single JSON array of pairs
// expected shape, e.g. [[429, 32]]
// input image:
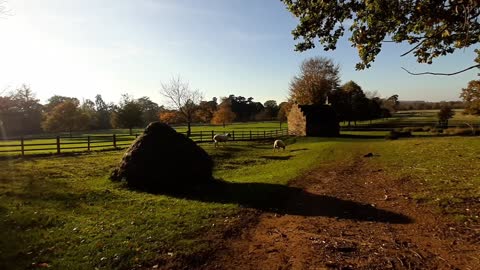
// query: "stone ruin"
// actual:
[[163, 159], [313, 120]]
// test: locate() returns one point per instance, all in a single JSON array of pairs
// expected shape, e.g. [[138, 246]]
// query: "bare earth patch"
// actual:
[[352, 217]]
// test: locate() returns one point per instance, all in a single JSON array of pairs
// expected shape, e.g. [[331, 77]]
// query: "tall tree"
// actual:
[[20, 112], [350, 102], [318, 77], [182, 98], [392, 103], [271, 108], [245, 109], [150, 110], [283, 112], [444, 114], [206, 109], [56, 100], [66, 116], [103, 113], [88, 108], [128, 114], [170, 117], [224, 114], [471, 97], [433, 28]]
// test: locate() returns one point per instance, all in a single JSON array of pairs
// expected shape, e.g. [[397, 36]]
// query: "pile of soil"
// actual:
[[163, 159]]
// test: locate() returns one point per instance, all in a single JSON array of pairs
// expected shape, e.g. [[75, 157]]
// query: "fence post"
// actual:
[[58, 144], [136, 135], [264, 134], [213, 134], [250, 135], [88, 143], [201, 136], [22, 145], [233, 135], [114, 141]]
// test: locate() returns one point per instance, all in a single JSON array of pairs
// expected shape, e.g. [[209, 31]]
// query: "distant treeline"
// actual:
[[22, 113], [426, 105]]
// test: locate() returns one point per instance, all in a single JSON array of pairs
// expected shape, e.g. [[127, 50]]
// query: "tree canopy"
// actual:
[[433, 28], [128, 115], [471, 97], [183, 99], [318, 77], [224, 114], [66, 116], [20, 112]]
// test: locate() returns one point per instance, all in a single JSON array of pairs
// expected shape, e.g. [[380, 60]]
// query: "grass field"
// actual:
[[423, 118], [103, 139], [64, 211]]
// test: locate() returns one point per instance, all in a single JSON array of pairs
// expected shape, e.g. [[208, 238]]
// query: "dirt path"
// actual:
[[352, 217]]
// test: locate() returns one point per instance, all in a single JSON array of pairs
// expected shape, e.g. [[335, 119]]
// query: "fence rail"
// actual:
[[61, 144]]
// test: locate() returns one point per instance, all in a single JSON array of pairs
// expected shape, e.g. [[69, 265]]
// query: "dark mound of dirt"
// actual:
[[162, 159]]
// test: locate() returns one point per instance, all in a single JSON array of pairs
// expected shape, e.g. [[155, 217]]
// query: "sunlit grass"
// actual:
[[63, 210]]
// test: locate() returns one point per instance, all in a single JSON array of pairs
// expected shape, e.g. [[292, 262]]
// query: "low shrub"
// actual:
[[412, 129], [394, 134], [427, 128], [462, 131]]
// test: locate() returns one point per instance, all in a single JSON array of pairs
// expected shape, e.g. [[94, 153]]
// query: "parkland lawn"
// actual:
[[63, 211], [103, 139]]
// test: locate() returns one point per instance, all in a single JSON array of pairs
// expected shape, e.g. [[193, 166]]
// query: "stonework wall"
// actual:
[[297, 123]]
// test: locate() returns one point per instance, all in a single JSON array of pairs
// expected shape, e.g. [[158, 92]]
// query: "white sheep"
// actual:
[[221, 138], [278, 144]]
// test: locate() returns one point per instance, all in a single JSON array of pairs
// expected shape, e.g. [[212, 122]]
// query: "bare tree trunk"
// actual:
[[189, 131]]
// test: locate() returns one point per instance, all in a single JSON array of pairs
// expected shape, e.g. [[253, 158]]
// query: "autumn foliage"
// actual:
[[170, 117], [224, 114], [66, 116]]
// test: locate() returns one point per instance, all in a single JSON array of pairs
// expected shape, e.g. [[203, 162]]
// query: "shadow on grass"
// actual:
[[300, 149], [352, 136], [277, 157], [287, 200]]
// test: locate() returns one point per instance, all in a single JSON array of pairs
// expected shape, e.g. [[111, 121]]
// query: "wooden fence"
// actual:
[[62, 144]]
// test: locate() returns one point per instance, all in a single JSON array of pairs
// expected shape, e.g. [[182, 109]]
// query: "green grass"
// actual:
[[103, 139], [64, 211], [447, 171], [419, 119]]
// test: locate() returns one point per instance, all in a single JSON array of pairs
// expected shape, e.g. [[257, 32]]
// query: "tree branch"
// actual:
[[412, 49], [441, 74]]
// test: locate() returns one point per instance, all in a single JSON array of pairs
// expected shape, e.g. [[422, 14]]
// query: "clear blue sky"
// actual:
[[243, 47]]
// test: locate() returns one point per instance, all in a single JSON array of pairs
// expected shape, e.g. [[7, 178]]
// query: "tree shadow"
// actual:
[[300, 149], [283, 199], [277, 157], [360, 136]]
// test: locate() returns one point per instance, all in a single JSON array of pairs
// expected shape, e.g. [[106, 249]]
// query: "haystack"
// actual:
[[162, 159]]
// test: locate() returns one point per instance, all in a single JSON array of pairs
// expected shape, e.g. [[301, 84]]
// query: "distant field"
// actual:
[[63, 210], [421, 118], [103, 139], [181, 128]]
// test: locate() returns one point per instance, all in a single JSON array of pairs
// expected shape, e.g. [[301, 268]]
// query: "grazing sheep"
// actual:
[[221, 138], [278, 144]]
